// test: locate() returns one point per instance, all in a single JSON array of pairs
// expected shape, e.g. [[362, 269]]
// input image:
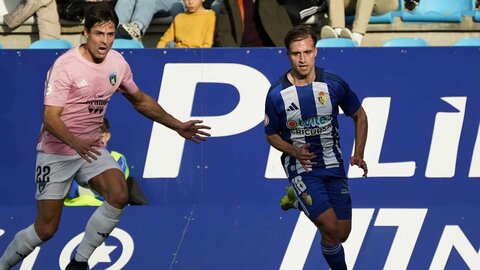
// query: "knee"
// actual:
[[117, 199], [344, 237], [46, 231]]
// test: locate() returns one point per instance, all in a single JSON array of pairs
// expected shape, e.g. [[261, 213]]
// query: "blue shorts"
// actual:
[[317, 194]]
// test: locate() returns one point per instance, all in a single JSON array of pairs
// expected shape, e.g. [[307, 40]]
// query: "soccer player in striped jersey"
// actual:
[[301, 121]]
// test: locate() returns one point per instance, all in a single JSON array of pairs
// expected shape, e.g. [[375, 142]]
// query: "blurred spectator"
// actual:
[[82, 196], [47, 17], [362, 9], [251, 23], [135, 15], [191, 29]]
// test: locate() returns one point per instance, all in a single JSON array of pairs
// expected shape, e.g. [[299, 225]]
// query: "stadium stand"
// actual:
[[440, 11], [51, 44], [384, 18], [468, 41], [459, 20], [335, 42], [120, 43], [405, 42]]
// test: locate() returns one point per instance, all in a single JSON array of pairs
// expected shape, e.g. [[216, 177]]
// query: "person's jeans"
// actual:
[[142, 11]]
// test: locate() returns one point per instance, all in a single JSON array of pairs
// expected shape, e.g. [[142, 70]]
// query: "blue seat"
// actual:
[[468, 41], [405, 42], [119, 43], [335, 42], [440, 11], [383, 18], [476, 16], [51, 44]]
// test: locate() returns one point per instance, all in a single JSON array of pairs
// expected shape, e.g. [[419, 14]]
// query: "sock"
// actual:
[[338, 30], [357, 37], [335, 256], [99, 227], [24, 242]]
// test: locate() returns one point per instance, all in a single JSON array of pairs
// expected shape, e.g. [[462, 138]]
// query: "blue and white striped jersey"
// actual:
[[308, 114]]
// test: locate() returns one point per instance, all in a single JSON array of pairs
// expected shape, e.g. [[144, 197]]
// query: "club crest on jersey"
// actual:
[[322, 98], [112, 77], [307, 198]]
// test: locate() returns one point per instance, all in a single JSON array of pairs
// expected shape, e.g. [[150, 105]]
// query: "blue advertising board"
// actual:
[[215, 205]]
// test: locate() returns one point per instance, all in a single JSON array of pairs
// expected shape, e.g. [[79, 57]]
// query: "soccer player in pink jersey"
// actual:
[[77, 90]]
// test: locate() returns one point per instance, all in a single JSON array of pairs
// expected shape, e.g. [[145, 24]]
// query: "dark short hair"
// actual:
[[106, 125], [100, 13], [299, 32]]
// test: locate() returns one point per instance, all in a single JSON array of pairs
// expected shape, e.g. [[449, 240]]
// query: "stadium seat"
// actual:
[[126, 44], [335, 42], [405, 42], [51, 44], [440, 11], [476, 16], [383, 18], [468, 41]]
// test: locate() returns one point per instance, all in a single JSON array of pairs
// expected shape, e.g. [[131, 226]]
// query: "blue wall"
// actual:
[[215, 205]]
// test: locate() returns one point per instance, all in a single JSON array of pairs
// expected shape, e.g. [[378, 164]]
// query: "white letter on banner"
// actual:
[[304, 234], [475, 164], [442, 158], [453, 236], [377, 110], [164, 154], [409, 222]]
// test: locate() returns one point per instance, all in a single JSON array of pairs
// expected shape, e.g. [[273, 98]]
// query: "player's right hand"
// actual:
[[85, 149], [305, 157]]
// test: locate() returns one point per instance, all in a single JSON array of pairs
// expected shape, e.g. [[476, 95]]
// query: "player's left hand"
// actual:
[[193, 131], [356, 160]]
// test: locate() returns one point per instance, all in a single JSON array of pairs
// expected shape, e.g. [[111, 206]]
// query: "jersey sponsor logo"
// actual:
[[96, 106], [312, 122], [311, 131], [112, 77]]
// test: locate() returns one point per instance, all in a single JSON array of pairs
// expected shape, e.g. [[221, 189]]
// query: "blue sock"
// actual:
[[335, 256]]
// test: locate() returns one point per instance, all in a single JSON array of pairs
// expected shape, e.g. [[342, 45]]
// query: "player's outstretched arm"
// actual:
[[55, 126], [147, 106], [361, 129]]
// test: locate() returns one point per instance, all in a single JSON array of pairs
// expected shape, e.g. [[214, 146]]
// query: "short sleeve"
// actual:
[[57, 85], [271, 116], [127, 85]]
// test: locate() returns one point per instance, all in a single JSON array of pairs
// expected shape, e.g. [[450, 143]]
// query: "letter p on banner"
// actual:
[[177, 93]]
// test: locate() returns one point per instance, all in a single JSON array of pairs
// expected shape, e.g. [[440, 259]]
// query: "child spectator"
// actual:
[[192, 29]]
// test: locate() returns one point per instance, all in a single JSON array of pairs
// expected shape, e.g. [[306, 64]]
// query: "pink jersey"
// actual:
[[83, 89]]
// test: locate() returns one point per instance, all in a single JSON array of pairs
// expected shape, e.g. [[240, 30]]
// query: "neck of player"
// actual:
[[299, 79]]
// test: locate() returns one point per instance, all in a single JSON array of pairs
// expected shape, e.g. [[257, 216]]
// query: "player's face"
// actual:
[[193, 5], [99, 41], [302, 55]]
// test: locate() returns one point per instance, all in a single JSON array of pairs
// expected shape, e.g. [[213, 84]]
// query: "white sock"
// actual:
[[338, 30], [24, 242], [99, 227], [357, 37]]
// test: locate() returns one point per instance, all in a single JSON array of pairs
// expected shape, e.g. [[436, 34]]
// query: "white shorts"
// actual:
[[54, 173]]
